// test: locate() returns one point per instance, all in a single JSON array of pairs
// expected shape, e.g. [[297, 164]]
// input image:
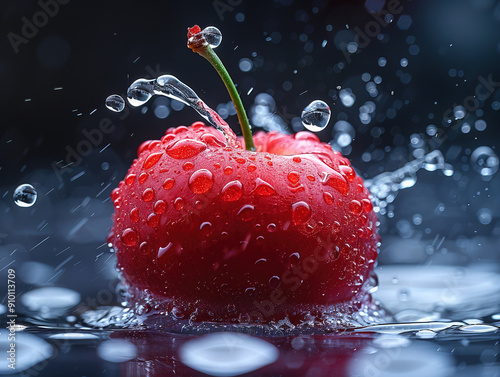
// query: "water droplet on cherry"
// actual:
[[201, 181], [301, 212], [169, 183], [232, 191], [185, 148], [129, 237], [148, 195]]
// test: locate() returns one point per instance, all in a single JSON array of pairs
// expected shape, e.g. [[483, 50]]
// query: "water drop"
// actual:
[[160, 207], [316, 115], [179, 204], [228, 170], [263, 188], [143, 177], [328, 198], [274, 282], [355, 207], [140, 92], [169, 183], [232, 191], [336, 181], [129, 237], [271, 227], [153, 220], [186, 148], [25, 195], [115, 103], [152, 159], [485, 161], [293, 177], [134, 215], [148, 195], [212, 35], [246, 212], [201, 181], [130, 179], [301, 212]]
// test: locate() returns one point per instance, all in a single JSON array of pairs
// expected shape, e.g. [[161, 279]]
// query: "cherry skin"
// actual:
[[212, 232]]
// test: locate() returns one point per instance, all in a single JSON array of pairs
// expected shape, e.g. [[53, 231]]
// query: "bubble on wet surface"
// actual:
[[29, 351], [117, 350], [485, 161], [115, 103], [479, 328], [316, 115], [208, 354], [426, 334], [212, 35], [74, 336], [391, 341], [25, 195], [50, 299]]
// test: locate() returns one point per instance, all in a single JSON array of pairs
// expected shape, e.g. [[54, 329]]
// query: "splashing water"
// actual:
[[316, 115], [169, 86], [25, 195], [385, 187]]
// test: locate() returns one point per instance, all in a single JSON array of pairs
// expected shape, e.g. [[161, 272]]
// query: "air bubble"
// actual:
[[25, 195], [316, 115], [115, 103]]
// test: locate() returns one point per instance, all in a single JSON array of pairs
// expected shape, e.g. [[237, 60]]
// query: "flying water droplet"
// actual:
[[316, 115], [212, 35], [115, 103], [485, 161], [25, 195], [140, 92]]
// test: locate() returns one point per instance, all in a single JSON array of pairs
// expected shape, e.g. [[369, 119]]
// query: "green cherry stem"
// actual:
[[208, 53]]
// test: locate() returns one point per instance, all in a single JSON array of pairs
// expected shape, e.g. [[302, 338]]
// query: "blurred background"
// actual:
[[402, 79]]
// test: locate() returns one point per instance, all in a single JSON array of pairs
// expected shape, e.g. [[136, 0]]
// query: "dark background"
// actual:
[[93, 49]]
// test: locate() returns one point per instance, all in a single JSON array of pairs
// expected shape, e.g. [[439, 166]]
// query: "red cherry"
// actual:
[[205, 238]]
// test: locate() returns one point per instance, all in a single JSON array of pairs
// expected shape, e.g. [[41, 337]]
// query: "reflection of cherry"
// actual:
[[306, 355], [214, 232]]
